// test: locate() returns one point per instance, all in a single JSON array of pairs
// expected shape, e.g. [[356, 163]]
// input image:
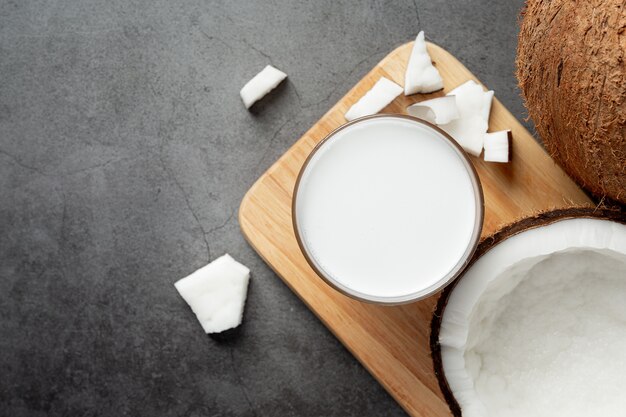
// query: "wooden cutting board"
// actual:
[[392, 342]]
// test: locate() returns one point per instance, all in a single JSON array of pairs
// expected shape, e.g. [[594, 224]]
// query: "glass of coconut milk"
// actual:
[[387, 209]]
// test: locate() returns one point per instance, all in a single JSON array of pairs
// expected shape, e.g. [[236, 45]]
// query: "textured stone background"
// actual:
[[124, 153]]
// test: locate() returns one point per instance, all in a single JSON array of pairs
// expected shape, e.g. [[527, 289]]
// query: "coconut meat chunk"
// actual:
[[469, 132], [486, 105], [472, 99], [421, 76], [216, 293], [536, 325], [439, 110], [376, 99], [474, 106], [498, 146], [262, 83]]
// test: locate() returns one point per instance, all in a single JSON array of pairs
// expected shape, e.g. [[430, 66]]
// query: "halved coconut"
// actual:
[[536, 325]]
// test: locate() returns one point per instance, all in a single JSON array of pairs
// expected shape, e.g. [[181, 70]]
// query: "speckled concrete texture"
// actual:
[[125, 151]]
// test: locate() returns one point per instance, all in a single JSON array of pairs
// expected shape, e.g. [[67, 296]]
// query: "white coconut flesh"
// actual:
[[474, 107], [440, 110], [261, 84], [421, 75], [376, 99], [537, 326], [497, 146], [217, 293]]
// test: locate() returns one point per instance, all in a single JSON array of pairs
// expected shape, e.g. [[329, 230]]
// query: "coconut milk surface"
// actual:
[[386, 207]]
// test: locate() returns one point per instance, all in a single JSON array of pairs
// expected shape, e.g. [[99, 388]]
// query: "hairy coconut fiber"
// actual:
[[572, 72]]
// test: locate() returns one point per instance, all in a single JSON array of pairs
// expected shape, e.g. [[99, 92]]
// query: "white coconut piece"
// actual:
[[497, 146], [421, 76], [217, 293], [472, 99], [474, 106], [376, 99], [486, 108], [536, 326], [262, 83], [439, 110], [469, 132]]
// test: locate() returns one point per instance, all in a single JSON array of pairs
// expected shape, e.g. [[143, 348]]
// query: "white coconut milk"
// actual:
[[387, 208]]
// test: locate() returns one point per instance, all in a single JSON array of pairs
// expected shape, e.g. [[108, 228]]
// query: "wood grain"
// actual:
[[392, 342]]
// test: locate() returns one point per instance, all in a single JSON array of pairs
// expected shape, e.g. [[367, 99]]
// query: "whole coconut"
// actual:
[[571, 70]]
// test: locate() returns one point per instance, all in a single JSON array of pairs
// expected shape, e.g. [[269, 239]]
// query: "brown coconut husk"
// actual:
[[538, 220], [571, 67]]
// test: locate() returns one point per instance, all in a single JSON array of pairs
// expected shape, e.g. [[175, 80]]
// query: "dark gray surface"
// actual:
[[124, 154]]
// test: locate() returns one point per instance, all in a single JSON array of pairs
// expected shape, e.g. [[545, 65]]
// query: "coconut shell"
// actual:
[[538, 220], [571, 68]]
